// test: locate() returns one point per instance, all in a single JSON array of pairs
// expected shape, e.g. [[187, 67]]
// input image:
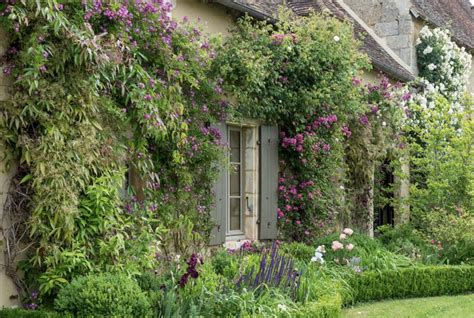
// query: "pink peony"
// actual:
[[349, 247], [347, 231], [342, 236], [336, 245]]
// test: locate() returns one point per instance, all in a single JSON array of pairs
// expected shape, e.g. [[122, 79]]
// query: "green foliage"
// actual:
[[442, 179], [286, 72], [300, 251], [225, 264], [403, 240], [298, 74], [442, 161], [328, 306], [106, 238], [413, 282], [367, 254], [87, 104], [103, 295], [22, 313], [375, 138], [440, 239]]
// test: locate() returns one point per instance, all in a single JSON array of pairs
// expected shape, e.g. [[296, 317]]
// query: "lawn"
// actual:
[[448, 306]]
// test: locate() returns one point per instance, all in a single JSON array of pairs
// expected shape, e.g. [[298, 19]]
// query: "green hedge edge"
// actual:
[[368, 286], [413, 282]]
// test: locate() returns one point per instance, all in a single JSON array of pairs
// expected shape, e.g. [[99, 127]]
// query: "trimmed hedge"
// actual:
[[23, 313], [413, 282], [103, 295]]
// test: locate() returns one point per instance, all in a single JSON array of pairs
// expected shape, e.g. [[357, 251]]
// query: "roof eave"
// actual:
[[245, 9]]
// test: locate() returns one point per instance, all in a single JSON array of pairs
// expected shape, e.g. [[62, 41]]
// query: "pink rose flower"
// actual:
[[342, 236], [347, 231], [336, 245], [350, 247]]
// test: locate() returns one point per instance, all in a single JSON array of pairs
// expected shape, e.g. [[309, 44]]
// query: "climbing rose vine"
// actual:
[[444, 67], [298, 74]]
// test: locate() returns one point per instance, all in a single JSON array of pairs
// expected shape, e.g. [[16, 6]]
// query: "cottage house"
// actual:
[[246, 201], [246, 196]]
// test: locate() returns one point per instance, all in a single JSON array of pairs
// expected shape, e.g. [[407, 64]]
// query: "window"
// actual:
[[235, 188], [246, 190]]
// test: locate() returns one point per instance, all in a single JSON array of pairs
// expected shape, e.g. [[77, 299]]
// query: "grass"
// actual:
[[432, 307]]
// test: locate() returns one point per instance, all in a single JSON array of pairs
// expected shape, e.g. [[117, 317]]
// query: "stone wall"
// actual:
[[391, 20], [8, 293]]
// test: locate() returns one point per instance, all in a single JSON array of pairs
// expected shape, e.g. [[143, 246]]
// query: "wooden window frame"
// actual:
[[240, 232]]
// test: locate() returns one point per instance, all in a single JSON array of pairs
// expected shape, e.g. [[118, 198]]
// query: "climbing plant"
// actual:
[[444, 67], [375, 136], [100, 88], [298, 74]]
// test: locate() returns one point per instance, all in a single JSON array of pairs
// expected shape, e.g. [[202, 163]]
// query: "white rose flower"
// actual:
[[432, 67], [428, 50]]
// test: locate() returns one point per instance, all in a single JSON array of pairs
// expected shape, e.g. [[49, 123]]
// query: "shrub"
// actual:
[[103, 295], [413, 282], [328, 306], [440, 238], [404, 240], [225, 264], [299, 251], [23, 313]]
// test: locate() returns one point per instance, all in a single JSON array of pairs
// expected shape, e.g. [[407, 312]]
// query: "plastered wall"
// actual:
[[7, 289]]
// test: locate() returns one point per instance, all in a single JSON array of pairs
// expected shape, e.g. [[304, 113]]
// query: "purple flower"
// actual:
[[166, 39], [364, 120], [147, 97], [356, 81], [43, 68], [346, 131], [406, 96]]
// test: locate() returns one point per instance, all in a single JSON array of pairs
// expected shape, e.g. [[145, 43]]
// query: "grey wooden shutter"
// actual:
[[219, 211], [269, 168]]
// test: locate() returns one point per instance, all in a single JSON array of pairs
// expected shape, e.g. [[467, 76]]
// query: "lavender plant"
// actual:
[[275, 270]]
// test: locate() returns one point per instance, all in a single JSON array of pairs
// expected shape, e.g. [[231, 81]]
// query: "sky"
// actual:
[[472, 2]]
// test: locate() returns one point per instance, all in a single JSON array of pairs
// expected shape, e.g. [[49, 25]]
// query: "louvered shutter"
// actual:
[[269, 168], [219, 211]]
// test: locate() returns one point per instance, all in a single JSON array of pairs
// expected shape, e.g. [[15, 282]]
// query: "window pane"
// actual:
[[234, 214], [235, 180], [234, 146]]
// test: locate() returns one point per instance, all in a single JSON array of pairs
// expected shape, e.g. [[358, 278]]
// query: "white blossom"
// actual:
[[428, 50], [336, 38], [432, 67]]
